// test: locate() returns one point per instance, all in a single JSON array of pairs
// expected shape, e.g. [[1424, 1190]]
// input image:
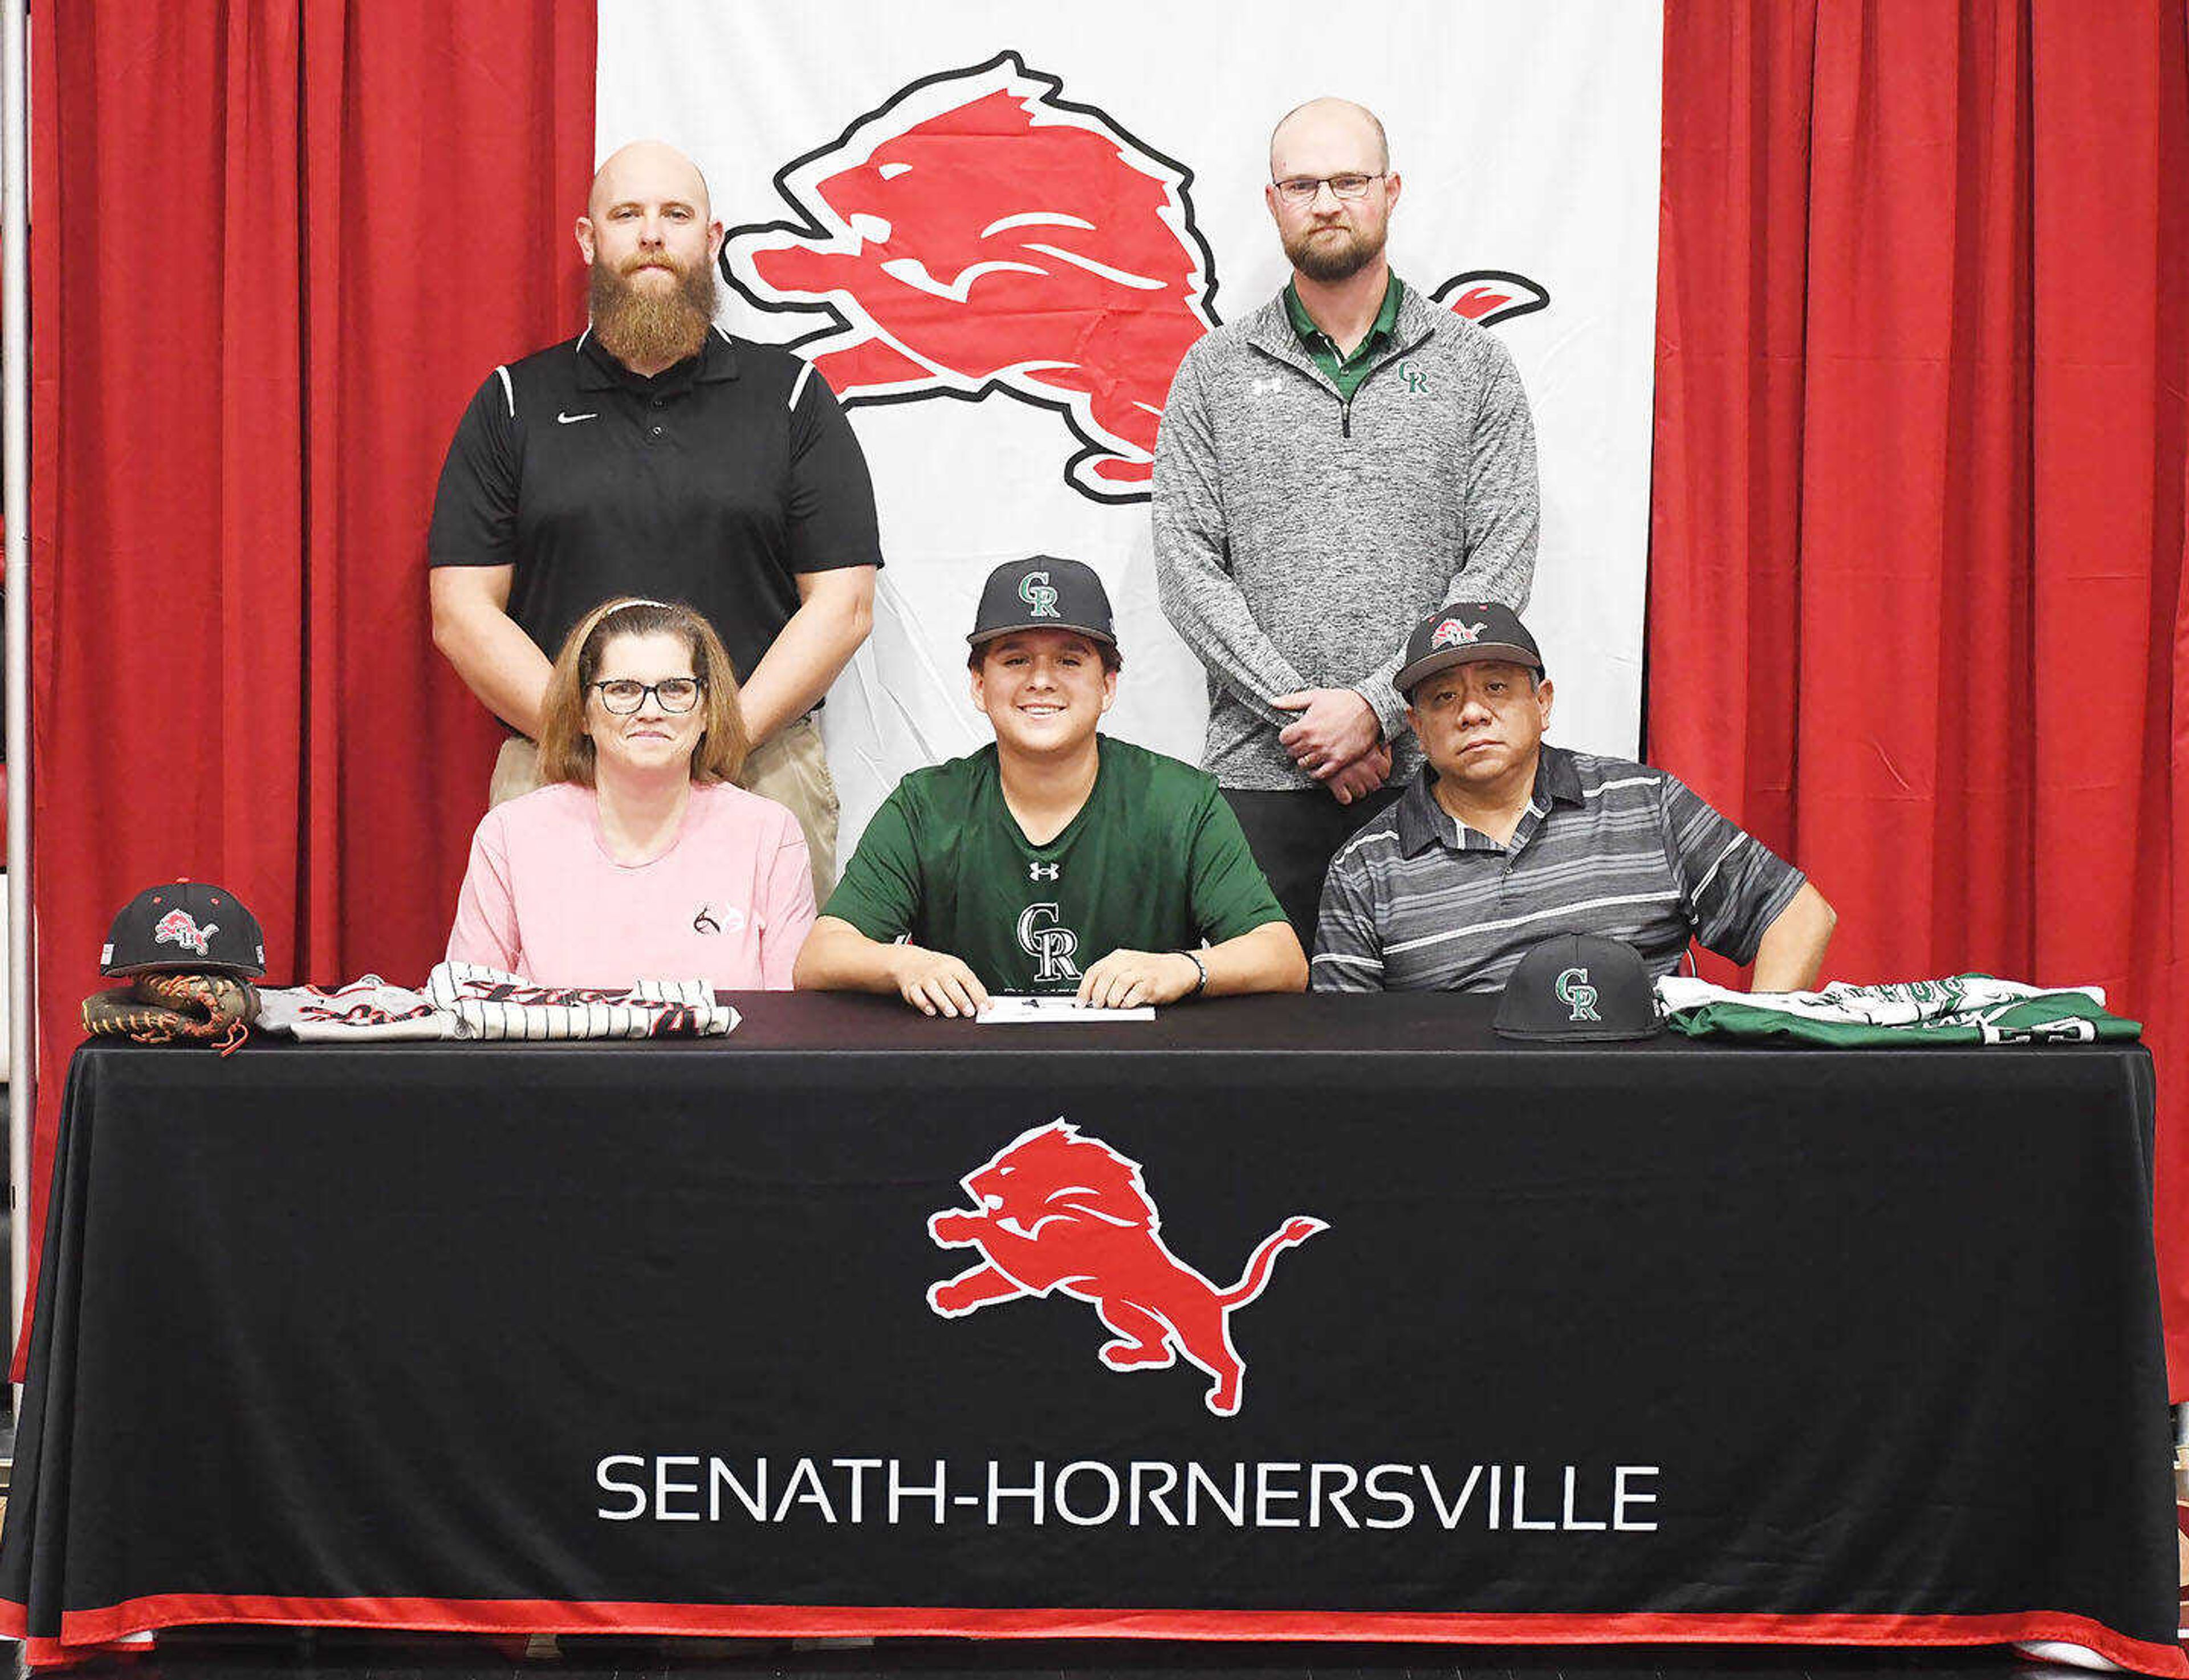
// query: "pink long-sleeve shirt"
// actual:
[[729, 902]]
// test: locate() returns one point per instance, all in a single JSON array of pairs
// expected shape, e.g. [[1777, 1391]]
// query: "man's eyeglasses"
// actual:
[[1302, 188], [624, 695]]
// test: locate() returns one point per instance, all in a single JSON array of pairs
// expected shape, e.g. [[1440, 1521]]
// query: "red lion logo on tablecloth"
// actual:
[[1057, 1211]]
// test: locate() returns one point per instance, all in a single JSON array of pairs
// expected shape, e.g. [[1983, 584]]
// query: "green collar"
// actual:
[[1317, 343]]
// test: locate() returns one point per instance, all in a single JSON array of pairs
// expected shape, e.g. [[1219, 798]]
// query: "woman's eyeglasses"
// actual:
[[624, 695]]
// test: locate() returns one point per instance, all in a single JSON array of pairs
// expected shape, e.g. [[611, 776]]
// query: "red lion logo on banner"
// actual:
[[1058, 1211], [977, 232]]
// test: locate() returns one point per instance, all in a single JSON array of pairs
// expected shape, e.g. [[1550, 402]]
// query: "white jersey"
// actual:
[[490, 1004], [365, 1008]]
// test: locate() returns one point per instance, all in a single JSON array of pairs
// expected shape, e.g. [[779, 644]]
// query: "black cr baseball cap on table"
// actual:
[[191, 927], [1579, 988], [1462, 634], [1043, 592]]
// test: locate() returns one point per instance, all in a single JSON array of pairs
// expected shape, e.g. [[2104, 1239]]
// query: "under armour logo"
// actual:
[[1042, 938], [1043, 872], [1034, 591], [1573, 987]]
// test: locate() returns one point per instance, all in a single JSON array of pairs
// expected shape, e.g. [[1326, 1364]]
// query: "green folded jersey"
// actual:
[[1965, 1008]]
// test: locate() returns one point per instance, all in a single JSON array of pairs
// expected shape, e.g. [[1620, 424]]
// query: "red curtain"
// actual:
[[1917, 534], [276, 246]]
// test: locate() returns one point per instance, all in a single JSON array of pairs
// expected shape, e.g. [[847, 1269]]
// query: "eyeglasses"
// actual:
[[1302, 188], [624, 695]]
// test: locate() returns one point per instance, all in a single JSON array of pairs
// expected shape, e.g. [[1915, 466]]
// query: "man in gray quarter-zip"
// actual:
[[1345, 459]]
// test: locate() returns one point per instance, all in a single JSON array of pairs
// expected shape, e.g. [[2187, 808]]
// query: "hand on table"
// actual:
[[936, 982], [1125, 979]]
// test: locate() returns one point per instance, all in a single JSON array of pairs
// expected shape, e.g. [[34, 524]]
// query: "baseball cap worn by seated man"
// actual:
[[1579, 988], [1043, 592], [1460, 634]]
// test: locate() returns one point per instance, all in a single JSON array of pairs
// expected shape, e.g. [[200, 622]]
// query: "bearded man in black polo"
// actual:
[[654, 455]]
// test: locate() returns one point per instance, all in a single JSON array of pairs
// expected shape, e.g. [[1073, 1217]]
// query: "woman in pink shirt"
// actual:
[[641, 859]]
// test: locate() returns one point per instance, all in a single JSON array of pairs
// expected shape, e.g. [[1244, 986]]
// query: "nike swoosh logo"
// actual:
[[572, 419]]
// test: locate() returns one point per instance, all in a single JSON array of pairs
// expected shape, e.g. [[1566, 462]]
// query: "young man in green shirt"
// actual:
[[1058, 860]]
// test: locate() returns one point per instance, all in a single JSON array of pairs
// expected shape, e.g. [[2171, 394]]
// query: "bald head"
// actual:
[[648, 172], [1326, 128]]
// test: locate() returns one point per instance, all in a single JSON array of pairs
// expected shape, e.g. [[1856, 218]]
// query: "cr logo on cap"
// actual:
[[1573, 987], [1035, 591]]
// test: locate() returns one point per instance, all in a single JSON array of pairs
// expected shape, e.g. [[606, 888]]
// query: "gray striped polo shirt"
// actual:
[[1416, 902]]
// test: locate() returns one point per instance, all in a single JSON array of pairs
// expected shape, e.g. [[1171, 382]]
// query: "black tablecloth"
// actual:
[[1428, 1335]]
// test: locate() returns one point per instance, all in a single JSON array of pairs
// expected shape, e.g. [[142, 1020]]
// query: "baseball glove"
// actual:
[[162, 1008]]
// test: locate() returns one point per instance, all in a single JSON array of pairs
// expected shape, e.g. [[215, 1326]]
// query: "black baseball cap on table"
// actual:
[[191, 927], [1043, 592], [1463, 634], [1579, 988]]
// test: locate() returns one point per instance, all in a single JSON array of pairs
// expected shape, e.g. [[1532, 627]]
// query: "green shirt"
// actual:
[[1346, 372], [1154, 860]]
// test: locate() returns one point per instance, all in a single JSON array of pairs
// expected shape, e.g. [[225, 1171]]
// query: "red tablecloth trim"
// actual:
[[92, 1633]]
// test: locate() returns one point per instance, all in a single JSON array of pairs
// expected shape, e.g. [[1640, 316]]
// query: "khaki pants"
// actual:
[[791, 769]]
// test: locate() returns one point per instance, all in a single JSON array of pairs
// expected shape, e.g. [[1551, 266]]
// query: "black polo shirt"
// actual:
[[716, 483]]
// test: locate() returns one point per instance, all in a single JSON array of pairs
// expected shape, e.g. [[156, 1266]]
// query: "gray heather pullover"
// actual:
[[1299, 537]]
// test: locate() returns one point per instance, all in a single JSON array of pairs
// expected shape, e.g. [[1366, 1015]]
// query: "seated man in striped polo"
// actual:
[[1502, 841]]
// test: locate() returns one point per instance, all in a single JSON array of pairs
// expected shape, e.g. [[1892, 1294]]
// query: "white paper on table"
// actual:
[[1017, 1011]]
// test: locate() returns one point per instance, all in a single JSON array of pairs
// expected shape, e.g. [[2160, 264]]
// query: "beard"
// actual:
[[646, 326], [1333, 259]]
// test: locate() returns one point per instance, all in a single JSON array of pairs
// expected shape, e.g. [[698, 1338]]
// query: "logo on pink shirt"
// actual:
[[709, 921]]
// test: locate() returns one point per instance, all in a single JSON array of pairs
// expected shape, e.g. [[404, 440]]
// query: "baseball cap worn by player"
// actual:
[[1579, 988], [1043, 592], [185, 926], [1462, 634]]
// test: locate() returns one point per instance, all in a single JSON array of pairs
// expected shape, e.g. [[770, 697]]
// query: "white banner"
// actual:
[[1527, 138]]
